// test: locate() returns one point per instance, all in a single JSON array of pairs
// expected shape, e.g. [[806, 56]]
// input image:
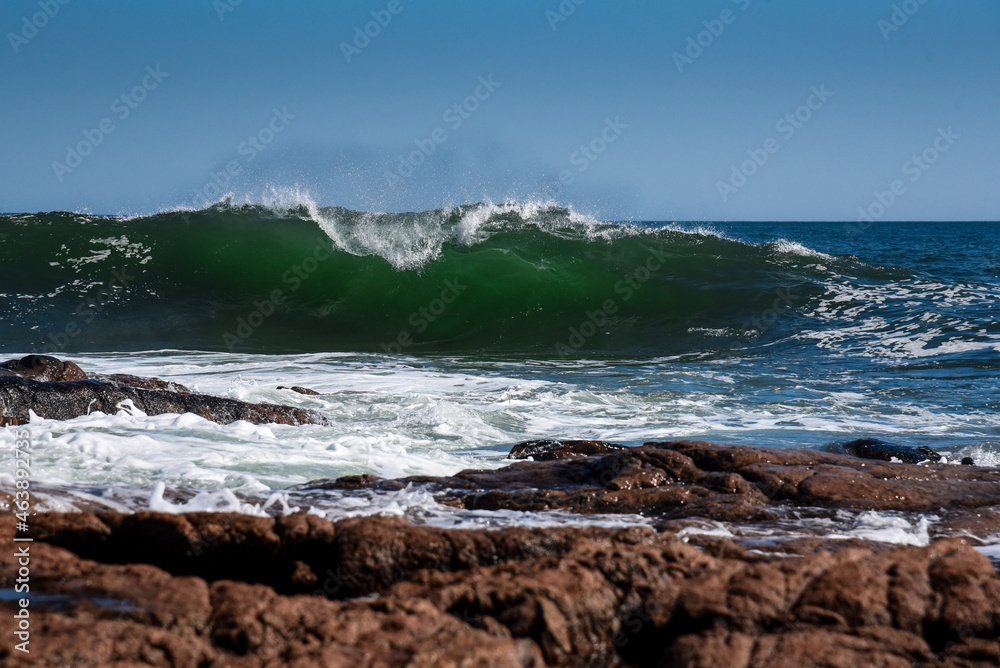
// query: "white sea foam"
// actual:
[[410, 240], [795, 248], [416, 505], [880, 321], [420, 507], [887, 528], [992, 550], [398, 416], [881, 527]]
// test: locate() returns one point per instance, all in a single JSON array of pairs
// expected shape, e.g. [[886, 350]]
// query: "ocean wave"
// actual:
[[283, 274]]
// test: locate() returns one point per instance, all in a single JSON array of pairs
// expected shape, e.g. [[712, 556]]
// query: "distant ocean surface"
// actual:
[[438, 340]]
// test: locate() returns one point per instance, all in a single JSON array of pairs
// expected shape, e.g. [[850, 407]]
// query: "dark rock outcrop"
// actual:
[[141, 381], [59, 390]]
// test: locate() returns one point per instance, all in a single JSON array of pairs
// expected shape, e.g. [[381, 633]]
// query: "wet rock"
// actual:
[[43, 368], [300, 390], [217, 589], [141, 381], [543, 451], [67, 400], [281, 552], [58, 390], [675, 481], [874, 448]]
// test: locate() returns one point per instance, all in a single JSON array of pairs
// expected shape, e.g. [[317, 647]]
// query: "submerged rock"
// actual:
[[874, 448], [58, 390], [544, 451]]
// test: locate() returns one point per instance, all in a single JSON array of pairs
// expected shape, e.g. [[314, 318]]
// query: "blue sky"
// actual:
[[595, 93]]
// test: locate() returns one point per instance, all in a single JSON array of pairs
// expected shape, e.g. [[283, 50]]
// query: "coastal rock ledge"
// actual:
[[58, 390], [220, 589], [237, 591]]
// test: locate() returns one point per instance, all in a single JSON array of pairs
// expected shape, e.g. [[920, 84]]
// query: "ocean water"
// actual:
[[437, 340]]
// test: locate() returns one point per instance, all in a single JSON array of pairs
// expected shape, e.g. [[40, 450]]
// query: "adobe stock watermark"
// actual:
[[763, 321], [787, 126], [562, 13], [334, 582], [121, 107], [697, 44], [588, 153], [901, 13], [914, 168], [223, 7], [87, 311], [422, 318], [23, 507], [247, 150], [626, 288], [37, 21], [454, 116], [363, 38], [292, 279]]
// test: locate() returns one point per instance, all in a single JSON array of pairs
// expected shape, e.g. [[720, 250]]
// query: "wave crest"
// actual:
[[282, 273]]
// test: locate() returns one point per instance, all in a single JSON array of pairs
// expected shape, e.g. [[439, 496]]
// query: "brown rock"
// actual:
[[678, 480], [562, 597], [217, 589]]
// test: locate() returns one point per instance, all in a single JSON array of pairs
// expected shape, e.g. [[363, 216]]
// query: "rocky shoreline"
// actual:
[[675, 482], [223, 589], [722, 571]]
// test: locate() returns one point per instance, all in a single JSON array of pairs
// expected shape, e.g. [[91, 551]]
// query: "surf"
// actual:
[[286, 276]]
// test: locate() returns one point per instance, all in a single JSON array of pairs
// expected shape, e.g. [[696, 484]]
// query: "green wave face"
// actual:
[[475, 279]]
